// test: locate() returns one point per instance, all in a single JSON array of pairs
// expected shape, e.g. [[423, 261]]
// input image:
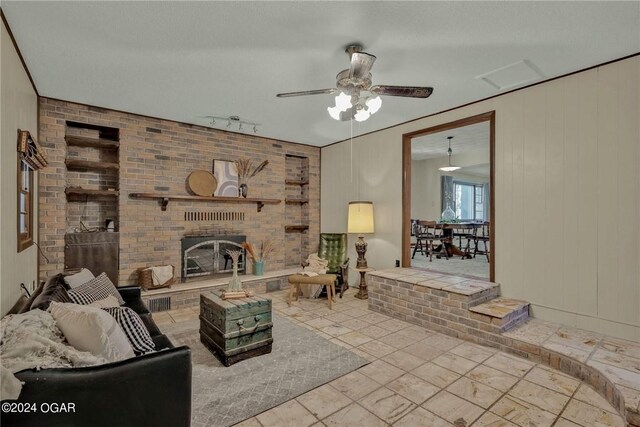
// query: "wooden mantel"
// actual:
[[164, 199]]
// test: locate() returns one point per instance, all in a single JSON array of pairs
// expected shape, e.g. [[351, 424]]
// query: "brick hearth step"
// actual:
[[506, 313]]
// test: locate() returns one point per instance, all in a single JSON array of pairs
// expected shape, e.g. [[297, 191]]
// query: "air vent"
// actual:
[[513, 75], [213, 216], [159, 304]]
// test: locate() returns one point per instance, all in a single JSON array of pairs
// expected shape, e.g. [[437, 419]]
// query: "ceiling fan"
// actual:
[[357, 97]]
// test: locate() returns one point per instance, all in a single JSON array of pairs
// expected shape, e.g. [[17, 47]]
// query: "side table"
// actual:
[[362, 291]]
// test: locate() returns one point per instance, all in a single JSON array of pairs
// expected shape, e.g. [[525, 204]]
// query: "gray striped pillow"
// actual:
[[94, 290], [133, 328]]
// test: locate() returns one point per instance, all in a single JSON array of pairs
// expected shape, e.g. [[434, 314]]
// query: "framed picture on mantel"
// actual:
[[227, 176]]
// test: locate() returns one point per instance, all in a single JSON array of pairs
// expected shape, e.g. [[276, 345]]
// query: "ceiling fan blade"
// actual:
[[361, 63], [307, 92], [405, 91]]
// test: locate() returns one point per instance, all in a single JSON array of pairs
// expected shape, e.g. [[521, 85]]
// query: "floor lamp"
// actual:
[[361, 222]]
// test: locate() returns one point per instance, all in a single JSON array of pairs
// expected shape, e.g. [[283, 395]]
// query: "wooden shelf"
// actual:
[[295, 228], [295, 182], [91, 193], [79, 141], [296, 201], [73, 164], [164, 199]]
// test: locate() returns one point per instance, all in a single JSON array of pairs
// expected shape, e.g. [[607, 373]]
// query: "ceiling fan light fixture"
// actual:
[[343, 102], [374, 104], [334, 112], [361, 115]]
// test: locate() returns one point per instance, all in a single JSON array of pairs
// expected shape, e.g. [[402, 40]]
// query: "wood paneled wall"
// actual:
[[567, 195], [19, 111]]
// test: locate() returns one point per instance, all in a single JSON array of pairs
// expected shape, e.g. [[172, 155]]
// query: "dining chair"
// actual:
[[419, 232], [484, 238], [430, 233]]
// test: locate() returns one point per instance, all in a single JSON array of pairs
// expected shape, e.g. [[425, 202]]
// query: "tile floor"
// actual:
[[475, 267], [421, 378]]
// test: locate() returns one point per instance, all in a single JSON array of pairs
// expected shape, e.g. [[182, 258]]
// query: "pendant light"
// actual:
[[451, 167]]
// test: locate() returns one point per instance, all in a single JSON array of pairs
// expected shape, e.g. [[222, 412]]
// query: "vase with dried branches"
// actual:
[[258, 257], [246, 171]]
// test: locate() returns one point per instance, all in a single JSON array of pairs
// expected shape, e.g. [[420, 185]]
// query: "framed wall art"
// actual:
[[227, 176]]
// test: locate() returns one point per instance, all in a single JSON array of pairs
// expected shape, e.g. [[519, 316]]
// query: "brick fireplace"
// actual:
[[156, 156]]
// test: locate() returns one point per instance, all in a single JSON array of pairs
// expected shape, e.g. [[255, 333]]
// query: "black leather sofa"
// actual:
[[148, 390]]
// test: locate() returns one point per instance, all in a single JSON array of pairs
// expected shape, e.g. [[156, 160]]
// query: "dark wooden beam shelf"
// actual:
[[296, 201], [164, 199], [74, 191], [79, 141], [295, 182], [73, 164], [295, 228]]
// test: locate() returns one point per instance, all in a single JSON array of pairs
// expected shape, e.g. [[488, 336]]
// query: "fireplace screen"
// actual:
[[207, 255]]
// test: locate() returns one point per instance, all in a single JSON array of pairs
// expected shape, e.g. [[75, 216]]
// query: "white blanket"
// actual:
[[161, 274], [316, 266], [32, 341]]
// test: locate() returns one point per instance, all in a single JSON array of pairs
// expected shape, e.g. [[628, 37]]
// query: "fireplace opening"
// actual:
[[207, 256]]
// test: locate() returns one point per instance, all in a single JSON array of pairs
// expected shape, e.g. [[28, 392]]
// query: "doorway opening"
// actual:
[[448, 198]]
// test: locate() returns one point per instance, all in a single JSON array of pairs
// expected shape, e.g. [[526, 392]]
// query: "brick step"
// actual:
[[506, 313]]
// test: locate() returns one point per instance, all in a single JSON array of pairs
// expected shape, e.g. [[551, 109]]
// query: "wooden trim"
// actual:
[[492, 196], [406, 181], [490, 97], [15, 45], [406, 200]]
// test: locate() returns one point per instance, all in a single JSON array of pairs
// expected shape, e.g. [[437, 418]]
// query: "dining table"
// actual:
[[448, 234]]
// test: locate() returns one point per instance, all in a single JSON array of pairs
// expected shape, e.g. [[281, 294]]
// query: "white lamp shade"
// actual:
[[343, 101], [334, 112], [361, 115], [374, 104], [360, 217]]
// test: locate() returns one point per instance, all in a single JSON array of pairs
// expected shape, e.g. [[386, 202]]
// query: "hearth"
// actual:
[[206, 255]]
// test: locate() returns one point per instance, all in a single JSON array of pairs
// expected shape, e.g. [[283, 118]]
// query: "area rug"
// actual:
[[299, 361]]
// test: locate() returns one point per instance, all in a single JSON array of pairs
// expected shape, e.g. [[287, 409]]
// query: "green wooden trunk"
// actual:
[[235, 330]]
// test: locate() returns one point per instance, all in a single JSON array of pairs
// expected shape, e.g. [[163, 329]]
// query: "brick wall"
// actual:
[[157, 156]]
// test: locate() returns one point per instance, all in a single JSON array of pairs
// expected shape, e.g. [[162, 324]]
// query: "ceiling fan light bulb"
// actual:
[[334, 112], [449, 168], [343, 102], [361, 115], [374, 104]]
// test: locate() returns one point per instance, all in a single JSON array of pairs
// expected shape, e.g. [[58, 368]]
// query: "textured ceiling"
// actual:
[[182, 60], [468, 138]]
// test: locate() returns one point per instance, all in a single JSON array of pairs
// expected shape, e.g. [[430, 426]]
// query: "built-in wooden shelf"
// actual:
[[296, 201], [79, 141], [75, 191], [164, 199], [295, 182], [73, 164], [295, 228]]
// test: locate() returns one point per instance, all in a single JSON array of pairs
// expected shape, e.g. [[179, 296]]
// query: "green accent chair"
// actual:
[[333, 248]]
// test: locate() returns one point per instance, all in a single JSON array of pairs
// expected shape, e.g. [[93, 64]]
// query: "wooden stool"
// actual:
[[327, 280]]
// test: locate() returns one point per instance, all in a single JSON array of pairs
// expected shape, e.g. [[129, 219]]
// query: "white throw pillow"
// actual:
[[108, 302], [80, 278], [91, 329]]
